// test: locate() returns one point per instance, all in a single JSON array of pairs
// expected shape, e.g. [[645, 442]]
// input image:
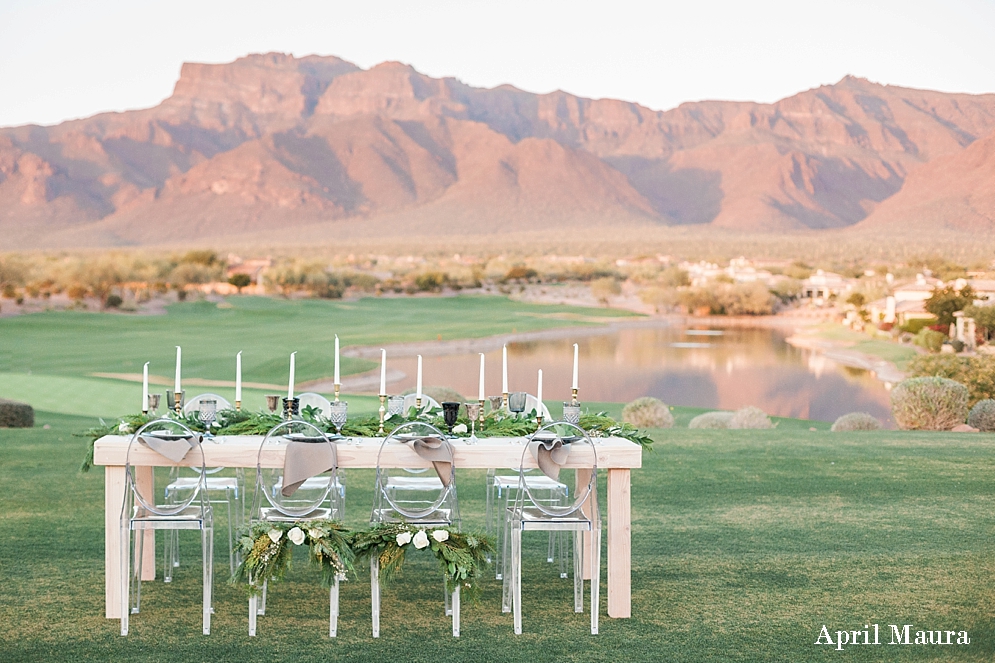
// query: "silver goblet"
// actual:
[[339, 414], [472, 412]]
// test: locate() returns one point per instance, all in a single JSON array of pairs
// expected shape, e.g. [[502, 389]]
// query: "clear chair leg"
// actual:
[[333, 609], [375, 594], [489, 512], [136, 577], [168, 545], [445, 597], [253, 614], [551, 548], [231, 534], [262, 602], [516, 577], [595, 580], [506, 583], [456, 624], [125, 577], [578, 537], [207, 541]]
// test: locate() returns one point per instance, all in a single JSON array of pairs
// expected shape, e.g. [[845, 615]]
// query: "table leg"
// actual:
[[619, 543], [146, 486], [113, 499], [583, 476]]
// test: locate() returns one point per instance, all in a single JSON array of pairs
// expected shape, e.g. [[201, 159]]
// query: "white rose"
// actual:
[[274, 535], [421, 539], [440, 535], [403, 538], [296, 534], [315, 533], [459, 428]]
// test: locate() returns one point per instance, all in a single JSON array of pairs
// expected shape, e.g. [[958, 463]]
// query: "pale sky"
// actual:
[[61, 59]]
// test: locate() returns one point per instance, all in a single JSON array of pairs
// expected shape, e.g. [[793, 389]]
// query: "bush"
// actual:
[[444, 394], [917, 325], [929, 339], [750, 418], [982, 415], [976, 373], [16, 415], [113, 301], [648, 412], [711, 421], [930, 403], [240, 280], [855, 421]]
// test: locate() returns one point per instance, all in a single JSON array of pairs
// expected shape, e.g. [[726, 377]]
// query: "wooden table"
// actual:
[[616, 455]]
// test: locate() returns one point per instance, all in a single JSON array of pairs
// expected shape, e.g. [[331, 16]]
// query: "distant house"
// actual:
[[916, 291], [823, 285]]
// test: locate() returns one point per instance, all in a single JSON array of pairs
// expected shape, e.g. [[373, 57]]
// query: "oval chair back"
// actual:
[[172, 432], [313, 492], [434, 497], [583, 456]]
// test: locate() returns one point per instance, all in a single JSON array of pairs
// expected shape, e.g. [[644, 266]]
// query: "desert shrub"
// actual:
[[76, 291], [929, 339], [431, 281], [976, 373], [444, 394], [855, 421], [929, 403], [711, 421], [648, 412], [604, 288], [520, 273], [982, 415], [113, 301], [16, 415], [916, 325], [750, 417], [240, 280]]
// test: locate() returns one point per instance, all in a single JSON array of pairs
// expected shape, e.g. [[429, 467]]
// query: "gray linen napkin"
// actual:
[[437, 450], [550, 453], [303, 461], [174, 450]]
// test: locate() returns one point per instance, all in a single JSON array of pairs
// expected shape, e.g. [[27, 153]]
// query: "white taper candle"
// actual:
[[418, 380], [238, 376], [176, 387], [290, 386], [336, 380], [483, 394], [504, 370], [574, 385], [539, 392], [383, 372], [145, 388]]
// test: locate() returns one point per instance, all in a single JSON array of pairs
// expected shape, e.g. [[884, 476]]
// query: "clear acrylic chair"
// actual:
[[421, 507], [505, 485], [226, 490], [313, 500], [140, 512], [580, 515]]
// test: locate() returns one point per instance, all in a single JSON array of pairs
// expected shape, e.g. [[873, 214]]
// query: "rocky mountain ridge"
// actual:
[[271, 144]]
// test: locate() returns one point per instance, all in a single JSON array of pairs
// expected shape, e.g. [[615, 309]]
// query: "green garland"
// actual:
[[461, 555], [266, 550]]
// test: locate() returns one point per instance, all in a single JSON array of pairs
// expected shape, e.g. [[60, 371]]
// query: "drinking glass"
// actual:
[[395, 405], [450, 412], [291, 407], [208, 413], [272, 402], [571, 413], [516, 402], [497, 403], [154, 402], [339, 415], [473, 412]]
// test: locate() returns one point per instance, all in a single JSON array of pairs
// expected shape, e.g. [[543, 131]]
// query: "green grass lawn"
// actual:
[[266, 330], [744, 544], [899, 355]]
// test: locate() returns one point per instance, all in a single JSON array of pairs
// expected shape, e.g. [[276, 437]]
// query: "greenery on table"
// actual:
[[266, 549], [462, 555]]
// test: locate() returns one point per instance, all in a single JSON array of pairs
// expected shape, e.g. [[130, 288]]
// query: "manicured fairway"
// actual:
[[267, 330], [745, 543]]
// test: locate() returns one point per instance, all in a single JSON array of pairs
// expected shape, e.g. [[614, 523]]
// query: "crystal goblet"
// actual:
[[473, 412]]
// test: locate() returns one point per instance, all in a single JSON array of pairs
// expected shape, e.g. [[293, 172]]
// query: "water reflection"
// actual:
[[711, 368]]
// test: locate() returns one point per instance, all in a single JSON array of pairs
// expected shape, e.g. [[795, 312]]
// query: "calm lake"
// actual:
[[716, 368]]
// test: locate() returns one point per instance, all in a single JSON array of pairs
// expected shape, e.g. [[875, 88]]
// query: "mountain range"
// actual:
[[272, 146]]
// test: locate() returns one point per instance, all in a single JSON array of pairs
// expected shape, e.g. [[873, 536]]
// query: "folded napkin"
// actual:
[[437, 450], [175, 450], [550, 453], [303, 461]]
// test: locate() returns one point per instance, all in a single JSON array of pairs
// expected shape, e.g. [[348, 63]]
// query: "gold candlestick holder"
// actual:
[[480, 417], [238, 406], [383, 413], [337, 387], [538, 421], [573, 397], [178, 397], [418, 403], [504, 401]]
